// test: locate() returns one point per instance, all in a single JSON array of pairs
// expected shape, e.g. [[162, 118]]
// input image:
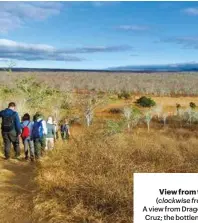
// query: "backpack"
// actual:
[[64, 128], [25, 131], [37, 130], [64, 131], [8, 123]]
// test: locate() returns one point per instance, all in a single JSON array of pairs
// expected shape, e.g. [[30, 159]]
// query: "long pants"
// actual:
[[49, 143], [28, 146], [39, 146], [8, 139], [64, 135]]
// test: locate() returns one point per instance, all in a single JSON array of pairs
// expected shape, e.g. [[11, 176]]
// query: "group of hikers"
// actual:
[[37, 134]]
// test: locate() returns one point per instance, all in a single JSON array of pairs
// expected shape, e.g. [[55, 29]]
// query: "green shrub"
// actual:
[[192, 105], [114, 127], [145, 102]]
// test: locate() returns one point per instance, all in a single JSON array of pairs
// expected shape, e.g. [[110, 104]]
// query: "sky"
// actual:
[[97, 35]]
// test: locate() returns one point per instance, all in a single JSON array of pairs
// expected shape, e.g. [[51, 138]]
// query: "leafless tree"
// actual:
[[164, 117], [127, 114], [148, 117]]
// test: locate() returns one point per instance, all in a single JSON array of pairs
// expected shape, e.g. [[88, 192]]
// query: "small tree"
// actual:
[[135, 118], [124, 94], [158, 110], [10, 65], [145, 102], [192, 105], [127, 114], [148, 118], [89, 116], [178, 107], [164, 117]]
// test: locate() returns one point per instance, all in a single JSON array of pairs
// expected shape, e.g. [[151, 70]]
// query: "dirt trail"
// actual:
[[17, 188], [16, 191]]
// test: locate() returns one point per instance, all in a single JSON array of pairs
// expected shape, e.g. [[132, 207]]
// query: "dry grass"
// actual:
[[90, 179]]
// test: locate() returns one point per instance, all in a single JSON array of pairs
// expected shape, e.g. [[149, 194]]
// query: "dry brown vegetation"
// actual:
[[90, 178], [161, 84]]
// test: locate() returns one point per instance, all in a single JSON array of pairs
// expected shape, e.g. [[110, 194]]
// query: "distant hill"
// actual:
[[191, 67]]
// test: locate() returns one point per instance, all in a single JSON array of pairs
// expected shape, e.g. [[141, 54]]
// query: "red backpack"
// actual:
[[25, 131]]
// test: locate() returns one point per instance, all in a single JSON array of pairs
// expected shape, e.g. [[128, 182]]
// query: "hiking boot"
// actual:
[[26, 158], [6, 158]]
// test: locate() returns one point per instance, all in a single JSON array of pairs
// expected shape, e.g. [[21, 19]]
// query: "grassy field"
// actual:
[[89, 179]]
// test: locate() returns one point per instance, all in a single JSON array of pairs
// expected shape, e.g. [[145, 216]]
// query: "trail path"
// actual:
[[17, 188], [16, 191]]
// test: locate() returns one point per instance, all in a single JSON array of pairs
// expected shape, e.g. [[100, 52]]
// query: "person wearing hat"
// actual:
[[51, 134]]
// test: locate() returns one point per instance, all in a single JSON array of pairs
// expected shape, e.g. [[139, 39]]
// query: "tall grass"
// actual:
[[90, 178]]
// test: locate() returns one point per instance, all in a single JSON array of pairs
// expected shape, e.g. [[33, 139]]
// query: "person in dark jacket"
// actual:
[[11, 129], [65, 130]]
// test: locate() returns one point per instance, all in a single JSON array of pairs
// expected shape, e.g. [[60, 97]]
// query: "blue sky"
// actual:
[[98, 35]]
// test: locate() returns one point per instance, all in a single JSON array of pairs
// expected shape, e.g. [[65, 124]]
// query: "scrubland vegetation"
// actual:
[[156, 84], [89, 179]]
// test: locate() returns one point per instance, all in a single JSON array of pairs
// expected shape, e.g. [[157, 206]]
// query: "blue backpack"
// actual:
[[37, 130]]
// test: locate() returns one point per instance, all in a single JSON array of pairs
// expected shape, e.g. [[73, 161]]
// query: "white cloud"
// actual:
[[133, 27], [191, 11], [24, 51], [15, 14], [103, 3]]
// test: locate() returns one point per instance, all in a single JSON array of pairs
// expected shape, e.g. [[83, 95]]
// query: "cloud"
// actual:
[[191, 11], [15, 14], [133, 27], [186, 42], [31, 52], [103, 3], [98, 49]]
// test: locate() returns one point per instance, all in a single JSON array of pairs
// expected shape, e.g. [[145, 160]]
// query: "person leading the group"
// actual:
[[11, 130]]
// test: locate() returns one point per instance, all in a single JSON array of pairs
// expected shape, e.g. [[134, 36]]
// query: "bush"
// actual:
[[145, 102], [124, 94], [115, 110], [65, 105], [192, 105], [178, 106], [114, 127]]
